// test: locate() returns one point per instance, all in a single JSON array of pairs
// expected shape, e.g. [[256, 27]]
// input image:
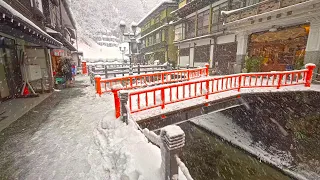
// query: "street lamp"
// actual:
[[123, 51], [131, 36]]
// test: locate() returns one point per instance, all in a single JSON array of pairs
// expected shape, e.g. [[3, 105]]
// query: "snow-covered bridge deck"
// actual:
[[160, 100]]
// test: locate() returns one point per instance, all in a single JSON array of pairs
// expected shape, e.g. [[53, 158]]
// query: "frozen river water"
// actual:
[[55, 140]]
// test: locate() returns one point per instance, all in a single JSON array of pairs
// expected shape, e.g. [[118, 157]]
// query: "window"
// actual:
[[37, 4], [53, 14], [236, 4], [202, 53], [157, 19], [184, 52], [203, 23], [158, 39], [252, 2], [217, 19], [150, 40], [190, 27], [178, 33]]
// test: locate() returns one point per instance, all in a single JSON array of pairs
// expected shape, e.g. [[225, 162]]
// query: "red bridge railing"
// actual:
[[159, 96], [143, 80]]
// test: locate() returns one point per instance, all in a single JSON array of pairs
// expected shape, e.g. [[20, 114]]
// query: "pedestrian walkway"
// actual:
[[12, 110], [55, 140]]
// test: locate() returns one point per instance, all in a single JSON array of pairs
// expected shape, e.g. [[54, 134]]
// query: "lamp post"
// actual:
[[123, 51], [132, 38]]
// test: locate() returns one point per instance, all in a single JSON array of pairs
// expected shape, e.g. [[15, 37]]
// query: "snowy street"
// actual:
[[55, 141], [73, 135]]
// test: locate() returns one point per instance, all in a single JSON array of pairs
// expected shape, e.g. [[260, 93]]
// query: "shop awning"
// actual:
[[17, 21]]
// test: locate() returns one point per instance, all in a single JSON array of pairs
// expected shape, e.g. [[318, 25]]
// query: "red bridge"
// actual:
[[182, 85]]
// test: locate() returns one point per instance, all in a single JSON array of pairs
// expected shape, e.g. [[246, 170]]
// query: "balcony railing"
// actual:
[[260, 8], [157, 25], [154, 47]]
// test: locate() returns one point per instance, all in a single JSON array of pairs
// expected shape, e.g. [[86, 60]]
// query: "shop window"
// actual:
[[202, 53], [203, 23], [184, 52]]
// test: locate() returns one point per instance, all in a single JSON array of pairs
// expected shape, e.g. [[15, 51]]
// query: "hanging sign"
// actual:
[[57, 52]]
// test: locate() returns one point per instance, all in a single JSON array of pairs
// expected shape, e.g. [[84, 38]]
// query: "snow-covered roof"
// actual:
[[26, 20], [155, 8], [111, 42]]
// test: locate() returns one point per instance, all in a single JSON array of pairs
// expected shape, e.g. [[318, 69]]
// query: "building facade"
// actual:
[[281, 32], [157, 34], [26, 44], [201, 37], [60, 24]]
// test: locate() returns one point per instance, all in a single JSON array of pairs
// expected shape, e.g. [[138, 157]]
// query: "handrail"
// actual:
[[143, 80], [159, 96]]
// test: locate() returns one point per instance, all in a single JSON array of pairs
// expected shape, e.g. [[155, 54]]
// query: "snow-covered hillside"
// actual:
[[92, 16], [95, 16]]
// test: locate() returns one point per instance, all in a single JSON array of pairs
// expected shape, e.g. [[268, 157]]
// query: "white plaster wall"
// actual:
[[184, 60], [226, 39]]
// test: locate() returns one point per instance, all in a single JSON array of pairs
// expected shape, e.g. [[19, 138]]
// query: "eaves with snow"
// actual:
[[27, 26]]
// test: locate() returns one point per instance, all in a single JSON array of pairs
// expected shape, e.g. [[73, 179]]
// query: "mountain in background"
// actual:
[[95, 16]]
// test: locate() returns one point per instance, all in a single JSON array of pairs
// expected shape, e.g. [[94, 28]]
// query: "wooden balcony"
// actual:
[[260, 8], [154, 47], [157, 25]]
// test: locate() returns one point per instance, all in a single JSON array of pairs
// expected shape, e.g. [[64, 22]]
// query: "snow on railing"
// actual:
[[183, 168], [144, 80], [159, 96]]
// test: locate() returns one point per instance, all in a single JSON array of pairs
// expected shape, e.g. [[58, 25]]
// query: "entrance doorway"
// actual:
[[10, 74], [226, 57]]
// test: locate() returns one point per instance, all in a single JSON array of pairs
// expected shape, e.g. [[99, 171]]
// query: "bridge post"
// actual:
[[240, 82], [123, 101], [138, 68], [106, 71], [162, 98], [116, 102], [97, 79], [172, 140], [310, 68], [162, 77], [207, 69], [93, 69], [280, 80], [130, 70]]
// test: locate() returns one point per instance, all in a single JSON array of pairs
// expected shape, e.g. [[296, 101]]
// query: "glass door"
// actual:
[[4, 88]]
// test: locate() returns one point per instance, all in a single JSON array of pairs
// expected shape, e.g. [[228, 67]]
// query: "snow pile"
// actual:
[[125, 150]]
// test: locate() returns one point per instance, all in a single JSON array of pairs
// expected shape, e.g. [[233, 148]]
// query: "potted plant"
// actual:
[[253, 64]]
